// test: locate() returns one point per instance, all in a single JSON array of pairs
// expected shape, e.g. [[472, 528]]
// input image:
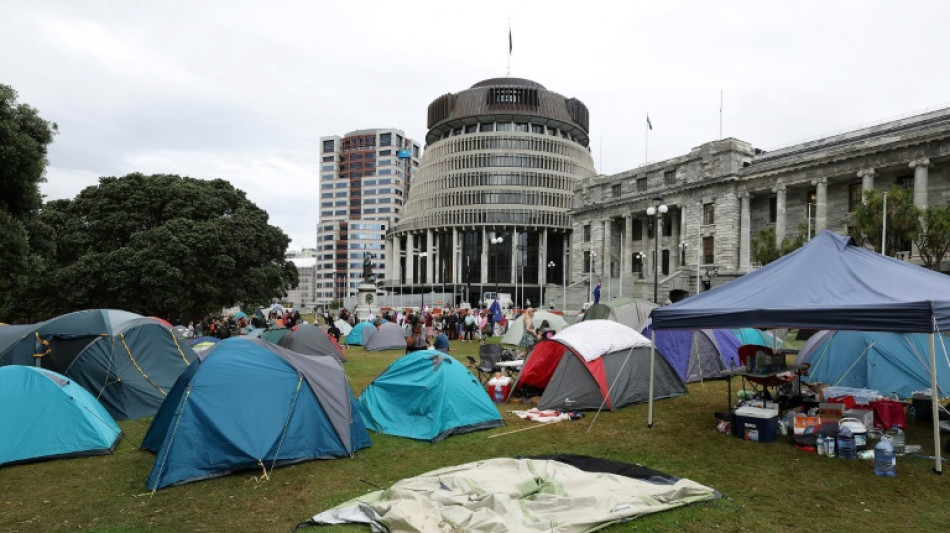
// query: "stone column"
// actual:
[[867, 181], [606, 251], [456, 259], [542, 265], [780, 218], [483, 278], [513, 277], [411, 254], [745, 232], [821, 204], [388, 262], [628, 244], [430, 258], [921, 174]]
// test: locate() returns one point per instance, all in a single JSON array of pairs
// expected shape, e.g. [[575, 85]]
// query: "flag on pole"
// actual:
[[649, 124], [510, 46]]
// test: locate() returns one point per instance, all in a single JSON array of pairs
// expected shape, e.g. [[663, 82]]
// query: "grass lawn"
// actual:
[[766, 487]]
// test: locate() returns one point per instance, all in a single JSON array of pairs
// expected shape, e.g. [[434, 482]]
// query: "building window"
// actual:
[[641, 184], [503, 126], [487, 127], [709, 214], [471, 128], [637, 229], [385, 139], [586, 232], [615, 190], [328, 146], [385, 152], [536, 128], [906, 182], [327, 158], [854, 196], [668, 225], [709, 250], [587, 262], [773, 210], [669, 177]]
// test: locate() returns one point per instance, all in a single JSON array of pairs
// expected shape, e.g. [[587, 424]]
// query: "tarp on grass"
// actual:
[[524, 495]]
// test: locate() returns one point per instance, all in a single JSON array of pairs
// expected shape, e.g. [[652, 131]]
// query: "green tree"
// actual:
[[903, 225], [933, 239], [24, 137], [162, 245], [764, 249]]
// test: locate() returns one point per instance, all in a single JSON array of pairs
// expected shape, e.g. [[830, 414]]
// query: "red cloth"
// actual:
[[888, 414]]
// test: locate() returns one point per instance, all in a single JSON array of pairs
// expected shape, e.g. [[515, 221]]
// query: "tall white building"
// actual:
[[364, 181]]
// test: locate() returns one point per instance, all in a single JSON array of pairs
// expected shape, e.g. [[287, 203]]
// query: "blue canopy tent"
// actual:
[[249, 403], [830, 283], [427, 395], [45, 415]]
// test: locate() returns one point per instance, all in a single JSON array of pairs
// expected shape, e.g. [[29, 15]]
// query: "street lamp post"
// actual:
[[548, 280], [590, 274], [495, 240], [656, 211]]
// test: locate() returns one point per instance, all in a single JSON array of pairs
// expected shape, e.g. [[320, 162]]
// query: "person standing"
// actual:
[[597, 293]]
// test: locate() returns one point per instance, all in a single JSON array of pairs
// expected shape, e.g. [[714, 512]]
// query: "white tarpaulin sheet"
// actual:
[[503, 494], [593, 338]]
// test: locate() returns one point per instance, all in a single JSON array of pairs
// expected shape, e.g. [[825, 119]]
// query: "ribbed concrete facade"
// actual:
[[489, 204]]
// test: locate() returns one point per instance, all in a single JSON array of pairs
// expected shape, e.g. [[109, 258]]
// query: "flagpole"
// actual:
[[508, 73], [646, 139], [720, 114]]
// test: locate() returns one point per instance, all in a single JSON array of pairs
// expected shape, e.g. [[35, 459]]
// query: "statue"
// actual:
[[368, 276]]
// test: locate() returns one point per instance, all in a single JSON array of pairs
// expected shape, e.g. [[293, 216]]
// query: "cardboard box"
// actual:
[[803, 422], [831, 410], [865, 416]]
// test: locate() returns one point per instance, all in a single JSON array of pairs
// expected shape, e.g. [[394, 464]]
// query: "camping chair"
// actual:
[[489, 355], [760, 359]]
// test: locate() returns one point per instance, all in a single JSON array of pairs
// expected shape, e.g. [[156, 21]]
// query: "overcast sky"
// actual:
[[243, 90]]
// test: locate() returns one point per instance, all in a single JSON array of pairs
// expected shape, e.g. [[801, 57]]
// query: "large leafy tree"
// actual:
[[903, 225], [162, 245], [24, 137], [933, 239]]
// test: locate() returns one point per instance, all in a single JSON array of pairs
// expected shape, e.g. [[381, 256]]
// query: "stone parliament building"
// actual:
[[723, 193], [507, 197]]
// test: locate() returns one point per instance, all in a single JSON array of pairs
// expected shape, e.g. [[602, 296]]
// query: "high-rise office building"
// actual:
[[364, 181]]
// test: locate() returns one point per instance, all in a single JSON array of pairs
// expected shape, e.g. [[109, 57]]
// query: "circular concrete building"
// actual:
[[488, 207]]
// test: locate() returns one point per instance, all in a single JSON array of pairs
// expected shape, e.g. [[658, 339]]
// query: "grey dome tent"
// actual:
[[594, 364], [308, 339], [127, 361], [389, 336]]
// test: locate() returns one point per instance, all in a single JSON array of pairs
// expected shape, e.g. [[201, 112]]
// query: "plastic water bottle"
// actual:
[[829, 446], [820, 445], [499, 394], [847, 447], [885, 460]]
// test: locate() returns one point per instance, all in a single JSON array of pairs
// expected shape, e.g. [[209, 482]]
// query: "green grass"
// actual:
[[766, 487]]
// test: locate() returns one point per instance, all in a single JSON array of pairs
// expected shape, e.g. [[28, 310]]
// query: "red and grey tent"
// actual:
[[594, 364]]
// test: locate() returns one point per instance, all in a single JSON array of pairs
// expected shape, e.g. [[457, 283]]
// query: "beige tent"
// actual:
[[516, 328]]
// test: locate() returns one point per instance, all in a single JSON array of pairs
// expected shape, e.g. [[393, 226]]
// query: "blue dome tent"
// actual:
[[300, 408], [126, 360], [427, 395], [45, 415]]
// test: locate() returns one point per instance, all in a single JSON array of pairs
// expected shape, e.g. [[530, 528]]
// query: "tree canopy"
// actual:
[[163, 245], [24, 137]]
